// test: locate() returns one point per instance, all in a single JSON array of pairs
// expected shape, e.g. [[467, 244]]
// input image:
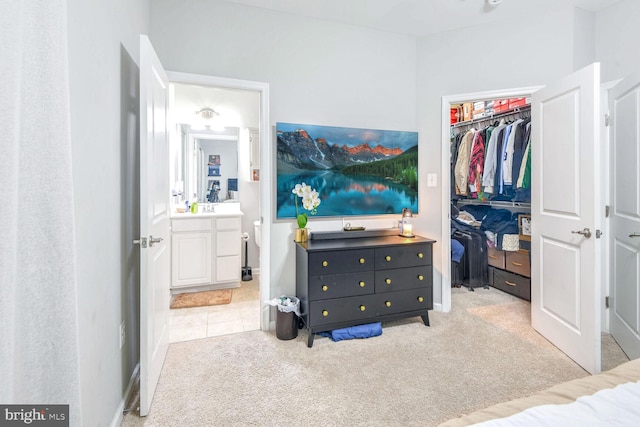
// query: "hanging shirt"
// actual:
[[476, 164], [501, 158], [490, 158], [508, 161], [525, 168], [519, 147], [462, 162]]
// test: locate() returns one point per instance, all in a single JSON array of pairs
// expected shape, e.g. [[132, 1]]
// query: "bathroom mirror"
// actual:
[[212, 156]]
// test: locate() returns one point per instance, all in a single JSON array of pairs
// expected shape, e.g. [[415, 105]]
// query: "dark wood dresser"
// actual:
[[343, 282]]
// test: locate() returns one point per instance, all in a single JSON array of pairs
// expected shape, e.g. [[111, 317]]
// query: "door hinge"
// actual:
[[606, 211], [606, 301], [606, 119]]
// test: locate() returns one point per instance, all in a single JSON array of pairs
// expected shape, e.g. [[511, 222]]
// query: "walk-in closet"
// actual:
[[490, 186]]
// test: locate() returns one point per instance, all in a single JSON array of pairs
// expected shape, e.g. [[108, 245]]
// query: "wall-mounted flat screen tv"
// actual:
[[355, 171]]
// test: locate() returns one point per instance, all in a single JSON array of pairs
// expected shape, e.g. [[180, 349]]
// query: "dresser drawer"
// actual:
[[401, 256], [403, 278], [518, 262], [191, 224], [513, 284], [403, 301], [336, 262], [353, 309], [341, 285], [496, 257]]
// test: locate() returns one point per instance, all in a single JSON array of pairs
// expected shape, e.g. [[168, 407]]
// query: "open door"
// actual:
[[624, 111], [155, 257], [566, 213]]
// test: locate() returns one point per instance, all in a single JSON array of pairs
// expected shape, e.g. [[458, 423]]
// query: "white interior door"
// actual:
[[624, 317], [566, 265], [155, 257]]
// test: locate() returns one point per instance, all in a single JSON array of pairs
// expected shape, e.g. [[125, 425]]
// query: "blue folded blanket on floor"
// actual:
[[359, 331]]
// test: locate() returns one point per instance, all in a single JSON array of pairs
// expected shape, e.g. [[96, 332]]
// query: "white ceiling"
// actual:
[[418, 17]]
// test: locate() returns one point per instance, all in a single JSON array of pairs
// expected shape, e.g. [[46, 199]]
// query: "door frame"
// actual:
[[265, 172], [446, 176]]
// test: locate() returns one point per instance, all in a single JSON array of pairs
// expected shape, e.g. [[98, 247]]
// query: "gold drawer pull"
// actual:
[[387, 258], [420, 277], [325, 287], [361, 260], [387, 281], [363, 308], [420, 255], [361, 284], [517, 264], [493, 256], [325, 313], [510, 283], [325, 263], [420, 299], [388, 303]]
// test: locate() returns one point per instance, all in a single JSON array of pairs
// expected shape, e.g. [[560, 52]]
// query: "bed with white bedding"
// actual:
[[611, 398]]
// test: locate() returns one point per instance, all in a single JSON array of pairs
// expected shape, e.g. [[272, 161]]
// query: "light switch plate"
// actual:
[[432, 180]]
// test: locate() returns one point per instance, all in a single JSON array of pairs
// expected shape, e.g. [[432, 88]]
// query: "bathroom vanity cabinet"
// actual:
[[205, 250], [353, 281]]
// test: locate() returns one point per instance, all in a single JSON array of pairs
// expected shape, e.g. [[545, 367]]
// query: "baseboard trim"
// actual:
[[119, 415]]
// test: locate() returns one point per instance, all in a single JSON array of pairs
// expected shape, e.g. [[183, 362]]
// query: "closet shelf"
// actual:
[[495, 203], [492, 117]]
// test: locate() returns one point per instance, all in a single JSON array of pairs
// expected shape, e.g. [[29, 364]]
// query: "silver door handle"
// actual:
[[153, 240], [634, 235], [585, 232]]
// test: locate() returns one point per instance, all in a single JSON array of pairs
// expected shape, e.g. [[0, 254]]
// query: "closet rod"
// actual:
[[492, 117]]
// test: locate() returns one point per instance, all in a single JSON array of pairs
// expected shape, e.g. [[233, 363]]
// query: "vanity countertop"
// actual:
[[218, 212]]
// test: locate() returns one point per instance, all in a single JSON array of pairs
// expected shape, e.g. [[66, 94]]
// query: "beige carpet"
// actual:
[[481, 353], [200, 299]]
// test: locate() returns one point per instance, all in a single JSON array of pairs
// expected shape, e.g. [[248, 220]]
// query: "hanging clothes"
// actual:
[[462, 162], [516, 132], [490, 160], [476, 163]]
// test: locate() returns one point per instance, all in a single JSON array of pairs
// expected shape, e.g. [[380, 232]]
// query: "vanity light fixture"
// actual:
[[211, 119]]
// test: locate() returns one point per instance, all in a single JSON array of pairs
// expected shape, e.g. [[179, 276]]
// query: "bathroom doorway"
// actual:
[[240, 109]]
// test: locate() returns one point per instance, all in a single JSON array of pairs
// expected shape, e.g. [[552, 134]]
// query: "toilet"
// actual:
[[256, 232]]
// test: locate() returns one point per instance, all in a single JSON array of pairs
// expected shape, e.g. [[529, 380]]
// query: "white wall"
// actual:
[[618, 40], [103, 55], [319, 72]]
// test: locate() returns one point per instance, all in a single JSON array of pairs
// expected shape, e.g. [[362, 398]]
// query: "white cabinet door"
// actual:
[[228, 269], [228, 259], [191, 258]]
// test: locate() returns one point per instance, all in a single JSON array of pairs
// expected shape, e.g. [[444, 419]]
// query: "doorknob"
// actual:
[[585, 232], [634, 235], [153, 240]]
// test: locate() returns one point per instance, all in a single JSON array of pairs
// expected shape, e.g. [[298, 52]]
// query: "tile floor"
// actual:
[[241, 314]]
